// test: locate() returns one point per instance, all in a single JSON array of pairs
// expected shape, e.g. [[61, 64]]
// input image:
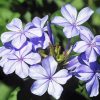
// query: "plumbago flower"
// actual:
[[89, 44], [19, 61], [85, 71], [17, 35], [47, 79], [71, 21], [44, 40], [91, 75]]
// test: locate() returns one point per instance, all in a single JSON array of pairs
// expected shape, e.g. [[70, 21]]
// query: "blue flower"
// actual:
[[72, 21], [89, 44], [19, 61], [47, 79], [17, 35]]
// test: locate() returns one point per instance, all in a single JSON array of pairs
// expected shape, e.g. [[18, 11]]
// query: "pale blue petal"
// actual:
[[80, 47], [37, 72], [86, 34], [55, 89], [50, 65], [60, 21], [70, 31], [32, 58], [69, 12], [92, 86], [61, 76], [19, 41], [15, 25], [84, 15], [39, 87]]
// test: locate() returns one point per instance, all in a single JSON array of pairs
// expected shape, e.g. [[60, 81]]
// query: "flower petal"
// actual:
[[19, 41], [37, 72], [15, 25], [8, 36], [22, 69], [62, 76], [4, 51], [43, 21], [84, 15], [80, 47], [26, 49], [9, 67], [93, 86], [91, 54], [46, 41], [60, 21], [55, 89], [32, 58], [84, 72], [39, 87], [70, 31], [86, 34], [69, 12], [34, 32], [50, 65]]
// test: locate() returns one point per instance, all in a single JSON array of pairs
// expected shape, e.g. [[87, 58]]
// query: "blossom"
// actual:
[[19, 35], [47, 79], [19, 61], [72, 21], [90, 74], [89, 44], [44, 40]]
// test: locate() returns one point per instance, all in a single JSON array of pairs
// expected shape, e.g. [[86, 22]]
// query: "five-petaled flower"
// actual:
[[19, 61], [17, 35], [89, 44], [47, 79], [71, 21]]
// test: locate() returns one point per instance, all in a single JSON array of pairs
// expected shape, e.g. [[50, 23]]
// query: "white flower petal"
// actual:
[[19, 41], [91, 54], [61, 77], [86, 34], [34, 32], [26, 49], [50, 65], [39, 87], [84, 15], [70, 31], [60, 21], [93, 86], [22, 69], [32, 58], [47, 41], [4, 51], [55, 89], [9, 66], [15, 25], [8, 36], [84, 72], [80, 47], [37, 72], [43, 21], [3, 61], [69, 12]]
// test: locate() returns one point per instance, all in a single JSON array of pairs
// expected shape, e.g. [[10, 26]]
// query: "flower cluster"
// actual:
[[31, 52]]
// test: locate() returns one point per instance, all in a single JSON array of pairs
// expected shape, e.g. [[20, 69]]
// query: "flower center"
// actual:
[[92, 44], [20, 59]]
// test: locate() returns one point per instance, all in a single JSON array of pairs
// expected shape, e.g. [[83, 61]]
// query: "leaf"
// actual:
[[82, 90], [4, 91], [13, 94]]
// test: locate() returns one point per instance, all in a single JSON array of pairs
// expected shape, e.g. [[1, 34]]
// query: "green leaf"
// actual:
[[4, 91], [13, 95], [82, 90]]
